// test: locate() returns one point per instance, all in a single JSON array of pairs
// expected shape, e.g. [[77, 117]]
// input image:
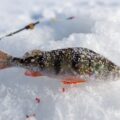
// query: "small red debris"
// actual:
[[31, 117], [63, 89], [27, 116], [70, 18], [37, 99]]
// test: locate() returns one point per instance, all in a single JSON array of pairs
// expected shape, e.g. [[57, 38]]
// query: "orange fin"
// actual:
[[33, 74], [72, 81]]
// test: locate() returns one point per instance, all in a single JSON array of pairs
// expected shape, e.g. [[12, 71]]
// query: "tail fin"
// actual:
[[4, 60]]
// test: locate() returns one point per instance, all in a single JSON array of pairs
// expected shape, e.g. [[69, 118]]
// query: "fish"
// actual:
[[72, 65]]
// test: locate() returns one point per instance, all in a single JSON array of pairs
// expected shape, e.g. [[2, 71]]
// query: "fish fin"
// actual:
[[4, 60], [33, 74], [73, 81]]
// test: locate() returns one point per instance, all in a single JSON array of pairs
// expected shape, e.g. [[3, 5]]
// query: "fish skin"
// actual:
[[70, 61]]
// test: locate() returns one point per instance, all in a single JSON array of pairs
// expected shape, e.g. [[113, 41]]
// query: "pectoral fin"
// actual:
[[33, 74], [73, 80]]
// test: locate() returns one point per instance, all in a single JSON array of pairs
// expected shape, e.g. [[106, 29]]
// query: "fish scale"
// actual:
[[79, 61]]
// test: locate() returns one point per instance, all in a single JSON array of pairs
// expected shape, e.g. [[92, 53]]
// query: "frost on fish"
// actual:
[[71, 61]]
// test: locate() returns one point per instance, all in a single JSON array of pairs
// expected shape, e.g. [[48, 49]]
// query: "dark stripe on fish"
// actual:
[[58, 61]]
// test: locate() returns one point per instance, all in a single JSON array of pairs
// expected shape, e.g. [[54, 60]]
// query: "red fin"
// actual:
[[72, 80], [33, 74]]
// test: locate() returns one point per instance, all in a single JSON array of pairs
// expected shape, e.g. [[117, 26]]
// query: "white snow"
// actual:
[[96, 26]]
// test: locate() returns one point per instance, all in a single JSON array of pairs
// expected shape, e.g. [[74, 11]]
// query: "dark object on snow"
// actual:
[[30, 26]]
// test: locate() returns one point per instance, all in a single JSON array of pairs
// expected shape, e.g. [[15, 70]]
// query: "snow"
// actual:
[[96, 26]]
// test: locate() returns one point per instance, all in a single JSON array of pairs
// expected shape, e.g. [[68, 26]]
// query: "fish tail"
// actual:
[[4, 60]]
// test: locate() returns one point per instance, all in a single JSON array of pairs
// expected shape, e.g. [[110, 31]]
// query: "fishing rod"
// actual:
[[31, 26]]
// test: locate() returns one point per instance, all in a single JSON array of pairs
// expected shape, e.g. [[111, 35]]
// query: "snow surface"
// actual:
[[97, 27]]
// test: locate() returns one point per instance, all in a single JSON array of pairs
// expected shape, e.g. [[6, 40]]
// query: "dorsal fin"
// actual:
[[32, 53]]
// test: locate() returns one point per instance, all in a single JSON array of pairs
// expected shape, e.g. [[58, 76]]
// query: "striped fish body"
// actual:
[[70, 61]]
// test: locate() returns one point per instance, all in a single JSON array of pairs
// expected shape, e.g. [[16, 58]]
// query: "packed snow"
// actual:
[[96, 26]]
